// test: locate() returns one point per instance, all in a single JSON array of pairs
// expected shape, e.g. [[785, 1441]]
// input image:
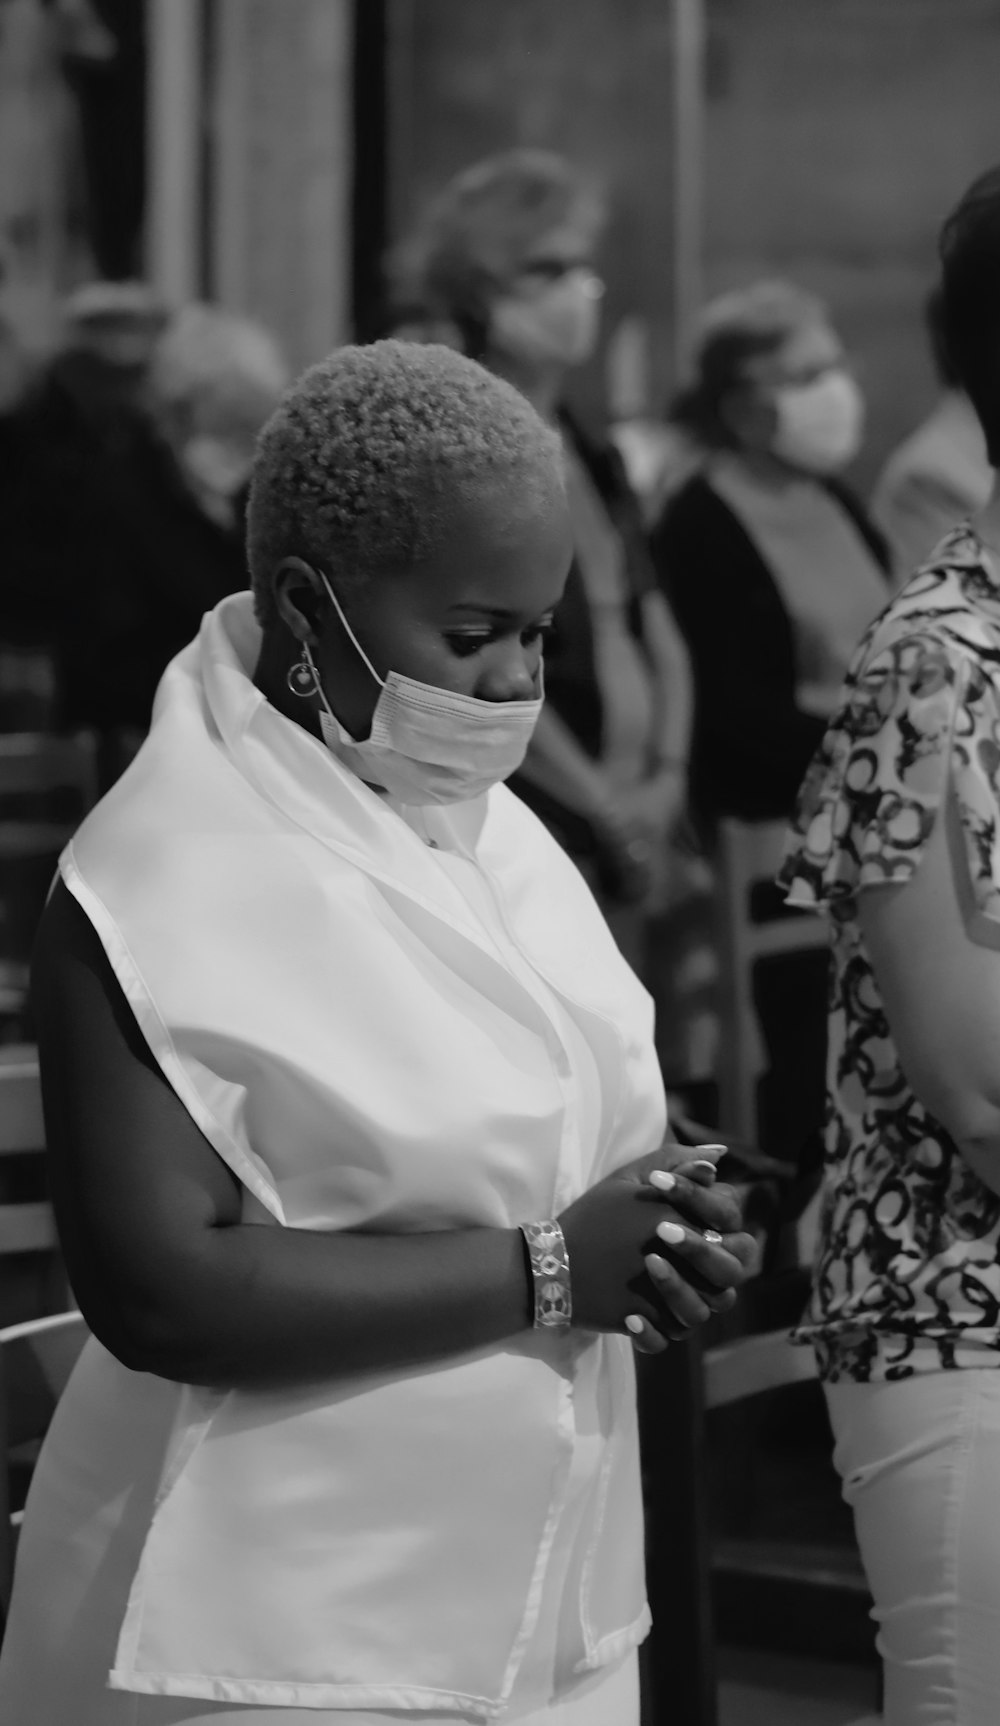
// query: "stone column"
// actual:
[[279, 168]]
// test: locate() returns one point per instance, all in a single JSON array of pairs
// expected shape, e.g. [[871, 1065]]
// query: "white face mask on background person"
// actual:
[[559, 326], [820, 424], [429, 745]]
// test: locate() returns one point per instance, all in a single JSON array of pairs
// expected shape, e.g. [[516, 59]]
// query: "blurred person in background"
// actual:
[[769, 562], [76, 431], [66, 411], [506, 260], [214, 378], [897, 839], [165, 504], [774, 572], [95, 379], [31, 575], [940, 474]]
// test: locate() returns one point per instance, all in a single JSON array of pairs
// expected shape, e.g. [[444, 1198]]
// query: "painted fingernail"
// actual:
[[663, 1179], [712, 1150], [701, 1163], [654, 1264], [634, 1324], [670, 1232]]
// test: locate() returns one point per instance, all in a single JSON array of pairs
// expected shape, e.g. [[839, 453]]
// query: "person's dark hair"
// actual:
[[479, 230], [944, 365], [356, 468], [733, 329], [970, 300]]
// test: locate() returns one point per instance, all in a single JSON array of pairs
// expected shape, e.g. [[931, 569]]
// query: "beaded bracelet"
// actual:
[[549, 1262]]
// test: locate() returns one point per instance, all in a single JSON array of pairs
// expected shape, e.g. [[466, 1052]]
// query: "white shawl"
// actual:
[[347, 1035]]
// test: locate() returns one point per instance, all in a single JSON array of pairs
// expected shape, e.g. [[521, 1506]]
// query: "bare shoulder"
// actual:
[[134, 1182]]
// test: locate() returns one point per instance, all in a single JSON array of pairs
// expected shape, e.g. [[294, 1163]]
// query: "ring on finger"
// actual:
[[713, 1236]]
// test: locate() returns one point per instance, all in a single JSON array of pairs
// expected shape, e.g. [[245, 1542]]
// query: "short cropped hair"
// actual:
[[482, 226], [355, 470], [970, 300], [213, 371], [733, 329]]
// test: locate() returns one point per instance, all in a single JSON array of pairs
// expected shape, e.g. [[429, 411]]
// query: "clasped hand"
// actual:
[[633, 829], [658, 1247]]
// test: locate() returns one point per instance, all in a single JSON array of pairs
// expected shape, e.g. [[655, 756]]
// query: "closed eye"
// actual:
[[466, 642]]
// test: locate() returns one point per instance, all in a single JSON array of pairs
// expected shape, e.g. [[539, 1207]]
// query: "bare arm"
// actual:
[[560, 766], [937, 963], [174, 1283], [673, 682], [165, 1272]]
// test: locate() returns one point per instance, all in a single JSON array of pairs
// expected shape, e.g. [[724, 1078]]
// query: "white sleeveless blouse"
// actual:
[[381, 1018]]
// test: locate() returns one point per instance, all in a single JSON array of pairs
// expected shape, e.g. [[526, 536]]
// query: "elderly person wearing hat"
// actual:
[[357, 1134], [158, 496]]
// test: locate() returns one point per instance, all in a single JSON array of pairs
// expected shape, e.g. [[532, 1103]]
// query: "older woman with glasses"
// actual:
[[506, 256], [772, 567]]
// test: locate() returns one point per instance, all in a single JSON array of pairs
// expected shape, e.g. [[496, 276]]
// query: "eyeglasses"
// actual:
[[547, 272]]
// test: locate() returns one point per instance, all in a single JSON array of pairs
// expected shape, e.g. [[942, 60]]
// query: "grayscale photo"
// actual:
[[499, 863]]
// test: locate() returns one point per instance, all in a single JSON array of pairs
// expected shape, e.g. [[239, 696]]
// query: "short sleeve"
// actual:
[[921, 717]]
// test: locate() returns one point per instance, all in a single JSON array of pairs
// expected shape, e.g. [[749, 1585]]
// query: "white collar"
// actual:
[[298, 773]]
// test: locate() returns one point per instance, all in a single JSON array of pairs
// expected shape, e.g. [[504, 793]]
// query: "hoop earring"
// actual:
[[302, 679]]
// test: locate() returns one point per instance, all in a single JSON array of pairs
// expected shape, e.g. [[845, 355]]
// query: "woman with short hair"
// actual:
[[356, 1133], [771, 565]]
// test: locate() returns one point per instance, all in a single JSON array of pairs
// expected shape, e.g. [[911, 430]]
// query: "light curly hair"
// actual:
[[357, 467], [479, 229]]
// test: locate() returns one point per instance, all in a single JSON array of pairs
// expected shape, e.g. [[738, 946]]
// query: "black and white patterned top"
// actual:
[[908, 1270]]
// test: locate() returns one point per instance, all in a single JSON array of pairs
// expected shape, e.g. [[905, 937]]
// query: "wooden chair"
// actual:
[[28, 1237], [34, 764], [36, 1360], [47, 785], [27, 1227], [748, 857], [751, 1365]]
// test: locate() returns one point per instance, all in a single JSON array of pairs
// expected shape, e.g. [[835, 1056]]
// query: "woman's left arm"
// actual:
[[673, 684], [660, 801], [937, 965]]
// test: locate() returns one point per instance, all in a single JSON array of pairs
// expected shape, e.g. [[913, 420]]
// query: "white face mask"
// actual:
[[429, 745], [819, 424], [559, 327]]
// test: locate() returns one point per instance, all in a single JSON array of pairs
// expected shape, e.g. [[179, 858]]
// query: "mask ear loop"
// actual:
[[334, 601]]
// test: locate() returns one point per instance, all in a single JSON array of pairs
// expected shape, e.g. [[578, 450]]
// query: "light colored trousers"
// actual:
[[920, 1464]]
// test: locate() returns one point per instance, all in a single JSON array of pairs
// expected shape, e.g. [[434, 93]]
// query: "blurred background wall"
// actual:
[[833, 137], [263, 152]]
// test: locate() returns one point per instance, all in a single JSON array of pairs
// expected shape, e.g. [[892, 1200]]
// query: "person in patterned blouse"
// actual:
[[896, 838]]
